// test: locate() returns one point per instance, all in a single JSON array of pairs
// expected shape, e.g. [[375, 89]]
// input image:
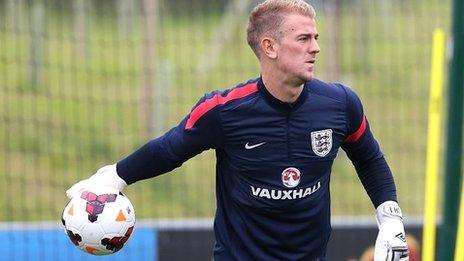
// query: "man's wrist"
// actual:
[[108, 176], [388, 210]]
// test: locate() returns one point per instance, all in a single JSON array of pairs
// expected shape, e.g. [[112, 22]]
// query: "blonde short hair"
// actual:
[[267, 18]]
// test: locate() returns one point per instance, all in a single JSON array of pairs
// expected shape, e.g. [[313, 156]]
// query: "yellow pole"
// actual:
[[459, 251], [433, 145]]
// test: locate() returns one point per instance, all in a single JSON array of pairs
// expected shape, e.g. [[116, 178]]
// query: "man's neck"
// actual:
[[281, 89]]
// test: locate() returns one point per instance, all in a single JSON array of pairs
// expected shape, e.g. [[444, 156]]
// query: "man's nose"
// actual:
[[314, 48]]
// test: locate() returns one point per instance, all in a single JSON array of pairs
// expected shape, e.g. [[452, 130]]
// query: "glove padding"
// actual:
[[391, 241], [106, 176]]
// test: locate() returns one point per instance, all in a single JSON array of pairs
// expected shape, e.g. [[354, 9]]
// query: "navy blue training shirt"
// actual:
[[274, 162]]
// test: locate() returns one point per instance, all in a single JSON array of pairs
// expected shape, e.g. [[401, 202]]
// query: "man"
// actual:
[[276, 138]]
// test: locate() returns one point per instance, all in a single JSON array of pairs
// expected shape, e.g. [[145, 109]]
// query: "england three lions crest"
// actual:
[[321, 142]]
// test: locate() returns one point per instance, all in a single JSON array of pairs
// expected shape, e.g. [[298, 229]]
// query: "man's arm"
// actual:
[[171, 150], [197, 132], [370, 164], [377, 179]]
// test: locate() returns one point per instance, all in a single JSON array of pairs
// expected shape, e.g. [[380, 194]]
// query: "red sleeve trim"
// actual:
[[355, 136], [218, 99]]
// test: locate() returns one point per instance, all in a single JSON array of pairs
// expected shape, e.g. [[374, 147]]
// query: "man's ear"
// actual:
[[269, 47]]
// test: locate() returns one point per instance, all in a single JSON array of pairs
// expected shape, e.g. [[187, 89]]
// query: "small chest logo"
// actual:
[[321, 142], [291, 177], [250, 146]]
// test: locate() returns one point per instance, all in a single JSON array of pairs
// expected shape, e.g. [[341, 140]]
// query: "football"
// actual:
[[99, 221]]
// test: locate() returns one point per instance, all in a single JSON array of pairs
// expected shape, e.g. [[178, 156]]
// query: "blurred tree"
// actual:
[[234, 15], [175, 6], [333, 10], [126, 13], [150, 24], [80, 26], [36, 27]]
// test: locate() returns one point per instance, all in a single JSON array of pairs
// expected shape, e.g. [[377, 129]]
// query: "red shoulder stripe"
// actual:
[[355, 136], [218, 99]]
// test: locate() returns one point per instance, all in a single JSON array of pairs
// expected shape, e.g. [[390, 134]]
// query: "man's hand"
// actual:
[[391, 240], [105, 177]]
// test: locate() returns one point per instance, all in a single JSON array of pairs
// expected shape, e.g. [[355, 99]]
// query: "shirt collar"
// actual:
[[278, 104]]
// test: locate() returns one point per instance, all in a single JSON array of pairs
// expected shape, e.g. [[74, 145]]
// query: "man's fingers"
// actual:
[[400, 253], [76, 189]]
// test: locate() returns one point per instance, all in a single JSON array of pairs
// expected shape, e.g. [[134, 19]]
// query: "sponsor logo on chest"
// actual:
[[290, 178], [277, 194]]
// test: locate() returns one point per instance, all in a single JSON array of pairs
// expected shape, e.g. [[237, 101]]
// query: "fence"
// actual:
[[83, 83]]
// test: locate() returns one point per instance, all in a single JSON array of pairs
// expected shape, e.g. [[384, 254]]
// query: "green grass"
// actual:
[[84, 112]]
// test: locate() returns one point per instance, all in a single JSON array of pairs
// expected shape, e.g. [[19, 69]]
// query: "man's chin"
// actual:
[[307, 77], [301, 79]]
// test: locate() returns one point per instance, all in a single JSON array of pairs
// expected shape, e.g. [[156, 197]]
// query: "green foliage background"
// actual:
[[83, 110]]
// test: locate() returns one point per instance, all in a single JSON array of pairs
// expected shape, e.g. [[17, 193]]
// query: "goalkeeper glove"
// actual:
[[391, 240], [105, 177]]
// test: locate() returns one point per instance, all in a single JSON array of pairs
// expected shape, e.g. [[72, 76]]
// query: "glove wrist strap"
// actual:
[[387, 211], [108, 176]]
